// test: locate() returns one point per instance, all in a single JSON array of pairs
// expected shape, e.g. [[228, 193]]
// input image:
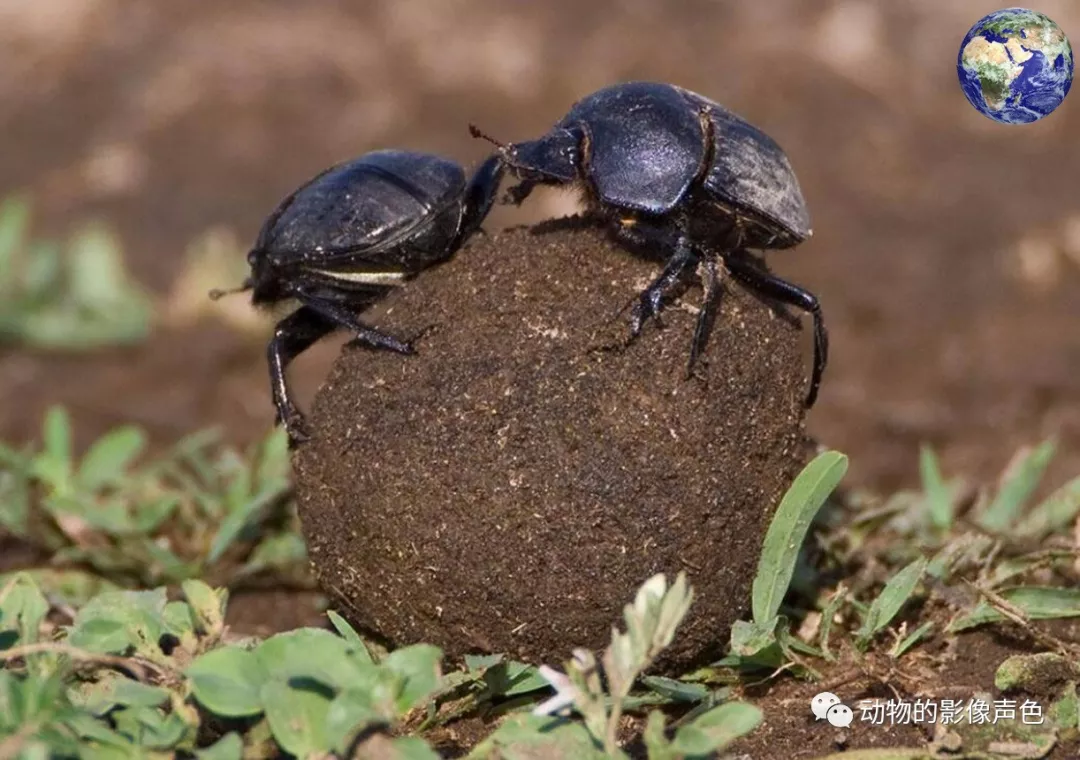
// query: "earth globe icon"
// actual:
[[1015, 66]]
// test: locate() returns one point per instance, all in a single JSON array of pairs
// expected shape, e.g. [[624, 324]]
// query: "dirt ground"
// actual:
[[946, 250]]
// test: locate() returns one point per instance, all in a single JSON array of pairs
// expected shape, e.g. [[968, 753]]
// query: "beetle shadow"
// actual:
[[572, 223]]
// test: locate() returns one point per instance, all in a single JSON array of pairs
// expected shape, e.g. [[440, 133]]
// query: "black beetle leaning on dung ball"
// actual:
[[347, 237], [672, 167]]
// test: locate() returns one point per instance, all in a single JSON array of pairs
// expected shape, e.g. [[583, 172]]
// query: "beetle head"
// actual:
[[267, 282], [552, 159]]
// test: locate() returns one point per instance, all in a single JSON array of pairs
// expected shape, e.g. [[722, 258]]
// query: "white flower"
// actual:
[[565, 693]]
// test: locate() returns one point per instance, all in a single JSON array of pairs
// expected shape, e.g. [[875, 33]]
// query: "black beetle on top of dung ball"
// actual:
[[347, 237], [675, 169]]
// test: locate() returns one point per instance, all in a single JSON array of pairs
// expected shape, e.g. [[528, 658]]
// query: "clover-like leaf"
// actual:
[[229, 681], [297, 712]]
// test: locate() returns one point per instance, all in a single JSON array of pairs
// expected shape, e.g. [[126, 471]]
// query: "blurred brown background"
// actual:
[[946, 249]]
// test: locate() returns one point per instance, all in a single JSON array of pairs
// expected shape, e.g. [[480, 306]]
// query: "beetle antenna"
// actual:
[[217, 293], [476, 132]]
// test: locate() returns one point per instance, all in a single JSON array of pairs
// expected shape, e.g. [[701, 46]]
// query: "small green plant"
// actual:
[[75, 296], [144, 524], [128, 678], [600, 694], [138, 675], [1000, 513], [888, 604], [767, 639]]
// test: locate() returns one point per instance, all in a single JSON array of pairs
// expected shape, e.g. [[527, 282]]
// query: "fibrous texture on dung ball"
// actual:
[[508, 488]]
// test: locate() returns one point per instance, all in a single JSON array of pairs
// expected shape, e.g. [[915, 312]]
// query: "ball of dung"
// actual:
[[509, 487]]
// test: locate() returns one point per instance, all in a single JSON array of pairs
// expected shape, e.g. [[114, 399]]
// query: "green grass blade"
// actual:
[[1020, 479], [14, 222], [1036, 602], [1056, 512], [891, 600], [827, 617], [911, 640], [110, 456], [53, 465], [938, 498], [788, 530]]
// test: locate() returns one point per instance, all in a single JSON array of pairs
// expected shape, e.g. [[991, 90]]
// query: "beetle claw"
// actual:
[[296, 427]]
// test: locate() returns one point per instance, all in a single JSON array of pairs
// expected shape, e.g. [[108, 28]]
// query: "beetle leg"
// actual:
[[770, 285], [650, 299], [517, 194], [348, 319], [710, 290], [292, 336], [479, 197]]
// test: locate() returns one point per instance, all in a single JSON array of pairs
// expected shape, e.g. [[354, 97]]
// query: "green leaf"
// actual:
[[272, 465], [281, 551], [149, 727], [717, 728], [1020, 479], [911, 640], [42, 271], [108, 459], [1024, 671], [938, 498], [347, 632], [1058, 511], [228, 747], [14, 502], [179, 620], [112, 618], [73, 587], [529, 737], [522, 679], [316, 654], [828, 615], [22, 608], [676, 691], [351, 712], [101, 696], [1065, 712], [14, 225], [101, 635], [756, 644], [229, 681], [234, 524], [98, 277], [419, 666], [297, 716], [207, 605], [53, 465], [891, 600], [788, 529], [1036, 602]]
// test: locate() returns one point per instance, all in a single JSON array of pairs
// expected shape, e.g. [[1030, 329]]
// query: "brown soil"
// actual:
[[958, 671], [509, 488]]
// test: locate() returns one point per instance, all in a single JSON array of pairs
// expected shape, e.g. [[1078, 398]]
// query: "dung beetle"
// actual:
[[347, 237], [669, 167]]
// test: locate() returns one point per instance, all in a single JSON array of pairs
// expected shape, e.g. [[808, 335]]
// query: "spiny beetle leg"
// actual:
[[651, 299], [292, 336], [710, 282], [346, 318], [772, 286]]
